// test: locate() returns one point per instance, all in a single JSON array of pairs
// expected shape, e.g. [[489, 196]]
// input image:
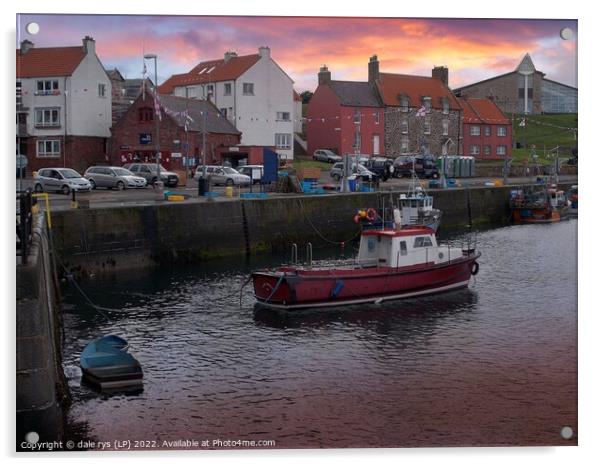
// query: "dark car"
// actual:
[[148, 171], [425, 166], [382, 166]]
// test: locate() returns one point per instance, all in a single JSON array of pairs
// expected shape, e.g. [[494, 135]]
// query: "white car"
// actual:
[[223, 175], [63, 180]]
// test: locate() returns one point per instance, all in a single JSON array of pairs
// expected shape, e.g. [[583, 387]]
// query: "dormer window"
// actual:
[[445, 104], [357, 116], [404, 103], [427, 103]]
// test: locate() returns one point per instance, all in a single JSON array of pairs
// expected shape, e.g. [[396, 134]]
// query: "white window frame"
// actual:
[[475, 149], [54, 143], [427, 103], [445, 127], [49, 86], [501, 150], [248, 88], [502, 129], [224, 112], [357, 116], [404, 104], [427, 126], [475, 130], [405, 144], [487, 150], [487, 130], [283, 116], [283, 140], [102, 90], [227, 88], [445, 106], [50, 123], [377, 117], [405, 126]]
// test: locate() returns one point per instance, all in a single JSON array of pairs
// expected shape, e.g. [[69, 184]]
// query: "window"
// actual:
[[404, 126], [487, 130], [427, 126], [47, 117], [209, 91], [47, 87], [19, 93], [228, 89], [102, 90], [445, 128], [49, 148], [405, 144], [445, 106], [501, 150], [403, 248], [475, 150], [501, 131], [191, 92], [248, 89], [145, 114], [224, 112], [475, 130], [283, 140], [377, 118], [283, 116], [357, 116], [487, 150], [427, 103], [423, 242], [405, 104]]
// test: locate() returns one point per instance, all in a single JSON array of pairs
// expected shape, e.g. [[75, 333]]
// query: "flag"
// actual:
[[421, 112]]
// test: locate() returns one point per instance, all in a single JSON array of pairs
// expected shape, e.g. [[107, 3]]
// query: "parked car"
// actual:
[[223, 175], [336, 172], [63, 180], [325, 155], [113, 177], [425, 166], [148, 171], [381, 166], [248, 170]]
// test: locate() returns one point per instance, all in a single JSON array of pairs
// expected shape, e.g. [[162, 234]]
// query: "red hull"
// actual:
[[536, 216], [289, 287]]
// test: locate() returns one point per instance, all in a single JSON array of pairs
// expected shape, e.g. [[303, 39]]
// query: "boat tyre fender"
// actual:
[[475, 268], [371, 214], [356, 219]]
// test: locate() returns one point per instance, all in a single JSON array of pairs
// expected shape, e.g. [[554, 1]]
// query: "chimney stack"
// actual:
[[442, 73], [373, 71], [264, 52], [324, 75], [228, 55], [26, 46], [89, 45]]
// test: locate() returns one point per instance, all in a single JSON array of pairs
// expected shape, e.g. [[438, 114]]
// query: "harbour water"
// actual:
[[495, 364]]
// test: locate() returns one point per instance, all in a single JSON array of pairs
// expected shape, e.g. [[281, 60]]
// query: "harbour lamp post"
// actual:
[[159, 183]]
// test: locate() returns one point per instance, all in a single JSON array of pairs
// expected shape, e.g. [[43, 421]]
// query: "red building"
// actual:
[[180, 129], [344, 116], [487, 131]]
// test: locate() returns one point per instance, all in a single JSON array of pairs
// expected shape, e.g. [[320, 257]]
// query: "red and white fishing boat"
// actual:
[[392, 263]]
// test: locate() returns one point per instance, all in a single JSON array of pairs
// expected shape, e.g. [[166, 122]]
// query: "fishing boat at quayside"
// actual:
[[543, 204], [106, 364], [392, 263]]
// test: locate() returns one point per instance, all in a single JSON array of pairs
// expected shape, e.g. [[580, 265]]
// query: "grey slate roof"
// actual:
[[356, 94], [216, 123]]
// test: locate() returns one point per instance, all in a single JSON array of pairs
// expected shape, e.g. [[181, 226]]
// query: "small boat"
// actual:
[[106, 363], [543, 204], [392, 263], [573, 200]]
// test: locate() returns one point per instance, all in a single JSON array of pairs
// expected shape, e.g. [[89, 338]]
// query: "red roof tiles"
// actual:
[[296, 96], [49, 61], [391, 86], [210, 71], [482, 111]]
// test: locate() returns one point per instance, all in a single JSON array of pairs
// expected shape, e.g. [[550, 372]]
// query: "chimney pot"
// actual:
[[228, 55], [26, 46], [442, 73], [264, 51], [324, 75], [373, 69], [89, 45]]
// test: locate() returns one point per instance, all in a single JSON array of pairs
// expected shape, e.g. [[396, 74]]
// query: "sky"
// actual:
[[472, 49]]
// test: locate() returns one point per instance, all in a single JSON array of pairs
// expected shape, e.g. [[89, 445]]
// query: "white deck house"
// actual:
[[252, 91]]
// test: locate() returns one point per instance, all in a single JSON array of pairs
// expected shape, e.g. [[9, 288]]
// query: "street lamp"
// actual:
[[159, 184]]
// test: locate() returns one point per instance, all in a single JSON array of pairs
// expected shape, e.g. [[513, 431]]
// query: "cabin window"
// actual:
[[422, 242], [403, 248], [371, 245]]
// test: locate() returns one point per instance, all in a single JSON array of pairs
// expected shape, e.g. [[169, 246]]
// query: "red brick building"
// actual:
[[181, 129], [487, 132], [345, 115]]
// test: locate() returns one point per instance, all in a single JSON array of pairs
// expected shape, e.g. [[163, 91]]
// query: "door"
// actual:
[[376, 144]]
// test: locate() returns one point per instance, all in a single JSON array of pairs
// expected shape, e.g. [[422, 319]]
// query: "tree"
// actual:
[[305, 96]]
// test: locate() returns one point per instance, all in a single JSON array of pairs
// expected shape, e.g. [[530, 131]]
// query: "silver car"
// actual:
[[113, 177], [325, 155], [358, 170], [223, 175], [63, 180]]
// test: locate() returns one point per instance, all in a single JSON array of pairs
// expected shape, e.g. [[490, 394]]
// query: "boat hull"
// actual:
[[288, 288], [542, 215]]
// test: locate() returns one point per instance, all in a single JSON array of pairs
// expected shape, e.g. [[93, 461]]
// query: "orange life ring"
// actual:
[[371, 214]]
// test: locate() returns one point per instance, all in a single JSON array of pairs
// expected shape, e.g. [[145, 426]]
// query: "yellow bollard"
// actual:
[[229, 191]]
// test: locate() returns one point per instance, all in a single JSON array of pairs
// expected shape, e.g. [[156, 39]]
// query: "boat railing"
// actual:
[[294, 257], [309, 254]]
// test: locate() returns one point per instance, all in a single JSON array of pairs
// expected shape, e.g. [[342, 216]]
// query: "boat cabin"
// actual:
[[413, 207], [403, 247], [557, 198]]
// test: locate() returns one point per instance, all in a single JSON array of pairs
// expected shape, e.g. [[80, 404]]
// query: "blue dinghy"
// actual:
[[106, 363]]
